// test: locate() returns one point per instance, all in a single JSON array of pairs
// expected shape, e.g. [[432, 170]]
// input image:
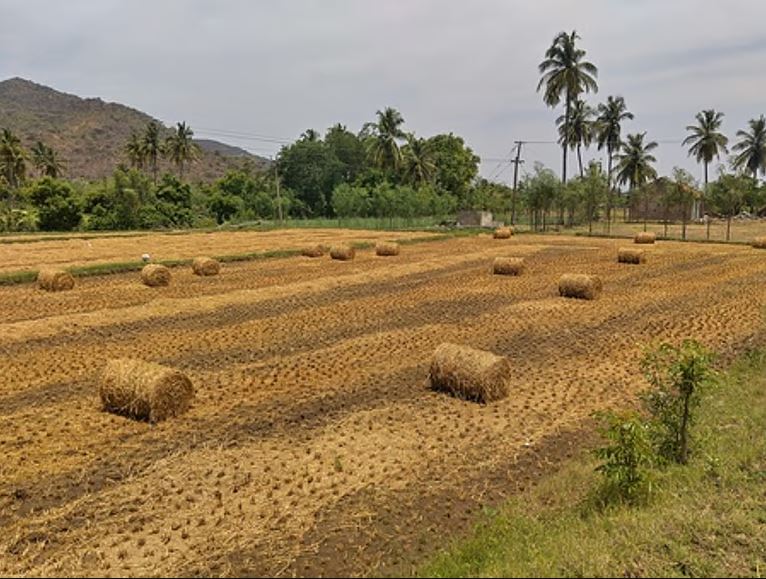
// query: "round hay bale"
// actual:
[[759, 243], [580, 285], [386, 248], [314, 251], [503, 233], [55, 280], [205, 266], [144, 390], [645, 237], [342, 252], [508, 265], [469, 374], [631, 255], [155, 275]]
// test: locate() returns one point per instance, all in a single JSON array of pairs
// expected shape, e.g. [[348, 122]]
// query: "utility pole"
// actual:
[[515, 162], [279, 198]]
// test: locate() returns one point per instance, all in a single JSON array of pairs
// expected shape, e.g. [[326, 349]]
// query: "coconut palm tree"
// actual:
[[383, 147], [152, 146], [135, 151], [579, 131], [752, 148], [418, 158], [564, 72], [46, 160], [13, 159], [634, 164], [180, 147], [608, 129], [609, 126], [706, 142]]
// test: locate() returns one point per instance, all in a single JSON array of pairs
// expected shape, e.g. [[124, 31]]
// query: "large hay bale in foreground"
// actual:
[[470, 374], [205, 266], [386, 248], [503, 233], [155, 275], [144, 390], [631, 255], [759, 243], [645, 237], [55, 280], [580, 285], [342, 252], [508, 265], [314, 251]]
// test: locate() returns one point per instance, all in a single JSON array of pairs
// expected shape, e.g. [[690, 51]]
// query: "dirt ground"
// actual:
[[314, 447], [99, 249]]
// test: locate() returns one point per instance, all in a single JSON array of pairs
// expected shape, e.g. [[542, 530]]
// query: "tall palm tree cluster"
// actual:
[[14, 157], [566, 75], [414, 158], [146, 150]]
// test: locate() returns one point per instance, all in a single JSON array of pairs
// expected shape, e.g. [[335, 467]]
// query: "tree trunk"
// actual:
[[579, 160], [609, 188], [646, 208], [683, 451], [728, 227], [565, 146]]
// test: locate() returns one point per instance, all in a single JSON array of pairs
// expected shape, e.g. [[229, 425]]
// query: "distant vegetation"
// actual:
[[384, 171]]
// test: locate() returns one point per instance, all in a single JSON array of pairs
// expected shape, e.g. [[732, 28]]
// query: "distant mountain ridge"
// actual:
[[90, 134]]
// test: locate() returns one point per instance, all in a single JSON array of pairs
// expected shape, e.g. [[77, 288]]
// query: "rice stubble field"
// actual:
[[314, 446]]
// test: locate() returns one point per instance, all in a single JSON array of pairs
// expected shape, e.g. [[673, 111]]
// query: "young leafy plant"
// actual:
[[680, 375]]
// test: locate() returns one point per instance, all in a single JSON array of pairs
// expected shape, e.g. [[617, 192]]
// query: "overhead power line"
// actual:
[[244, 136]]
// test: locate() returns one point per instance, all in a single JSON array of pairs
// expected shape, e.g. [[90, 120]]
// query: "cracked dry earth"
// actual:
[[314, 447]]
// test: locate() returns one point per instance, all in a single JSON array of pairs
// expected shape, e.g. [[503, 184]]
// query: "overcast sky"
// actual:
[[275, 68]]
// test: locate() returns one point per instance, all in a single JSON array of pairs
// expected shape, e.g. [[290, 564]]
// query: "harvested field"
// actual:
[[314, 445], [163, 246]]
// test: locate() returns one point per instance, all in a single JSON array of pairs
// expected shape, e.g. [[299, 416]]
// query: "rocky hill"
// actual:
[[90, 134]]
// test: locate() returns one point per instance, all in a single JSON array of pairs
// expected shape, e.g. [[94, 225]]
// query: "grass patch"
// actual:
[[105, 268], [706, 519], [273, 254], [15, 277]]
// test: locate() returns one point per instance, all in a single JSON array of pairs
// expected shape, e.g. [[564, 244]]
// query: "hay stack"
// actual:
[[155, 275], [315, 251], [143, 390], [580, 285], [55, 280], [469, 374], [205, 266], [502, 233], [759, 243], [645, 237], [342, 252], [386, 248], [508, 265], [631, 255]]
